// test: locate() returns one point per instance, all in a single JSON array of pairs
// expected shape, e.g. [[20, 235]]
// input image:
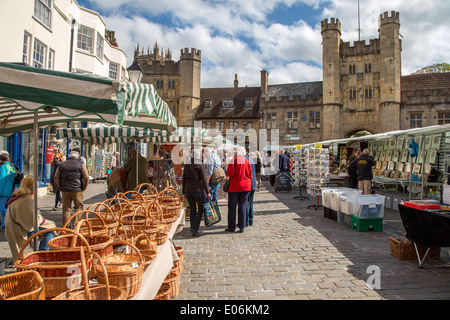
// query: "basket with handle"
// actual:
[[173, 280], [150, 193], [160, 228], [97, 242], [147, 247], [97, 223], [106, 213], [59, 269], [125, 270], [180, 253], [171, 203], [23, 285], [93, 291]]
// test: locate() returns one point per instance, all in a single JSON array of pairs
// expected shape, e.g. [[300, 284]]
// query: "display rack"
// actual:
[[300, 171], [317, 166]]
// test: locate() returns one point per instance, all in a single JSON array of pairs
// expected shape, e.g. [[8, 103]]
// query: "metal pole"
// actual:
[[35, 178]]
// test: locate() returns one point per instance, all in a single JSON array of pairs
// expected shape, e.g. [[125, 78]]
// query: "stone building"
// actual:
[[362, 89], [177, 82]]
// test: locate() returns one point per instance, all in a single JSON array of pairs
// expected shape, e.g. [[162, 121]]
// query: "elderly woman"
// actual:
[[239, 172], [19, 219]]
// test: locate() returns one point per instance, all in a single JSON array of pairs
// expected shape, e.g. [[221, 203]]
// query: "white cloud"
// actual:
[[236, 37]]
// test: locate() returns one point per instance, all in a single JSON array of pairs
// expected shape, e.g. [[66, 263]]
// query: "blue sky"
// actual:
[[281, 36]]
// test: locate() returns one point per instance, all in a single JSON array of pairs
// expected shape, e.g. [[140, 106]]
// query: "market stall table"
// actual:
[[161, 266], [431, 229]]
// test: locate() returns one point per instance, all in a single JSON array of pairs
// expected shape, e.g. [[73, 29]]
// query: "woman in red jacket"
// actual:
[[239, 173]]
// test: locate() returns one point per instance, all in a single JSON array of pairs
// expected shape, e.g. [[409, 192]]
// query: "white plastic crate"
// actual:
[[335, 200], [369, 206]]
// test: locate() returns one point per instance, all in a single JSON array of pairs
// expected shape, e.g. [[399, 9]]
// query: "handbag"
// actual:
[[226, 185], [212, 212]]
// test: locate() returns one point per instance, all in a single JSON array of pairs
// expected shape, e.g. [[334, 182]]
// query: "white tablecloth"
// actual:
[[161, 266]]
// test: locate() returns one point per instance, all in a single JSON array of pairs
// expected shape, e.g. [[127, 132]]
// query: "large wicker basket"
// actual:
[[97, 224], [23, 285], [59, 269], [148, 191], [95, 291], [125, 270], [147, 247], [173, 280], [164, 292]]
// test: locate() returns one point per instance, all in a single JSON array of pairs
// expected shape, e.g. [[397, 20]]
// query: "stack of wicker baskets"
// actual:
[[135, 221]]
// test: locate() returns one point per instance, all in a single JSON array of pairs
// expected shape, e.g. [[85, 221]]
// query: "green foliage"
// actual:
[[435, 68]]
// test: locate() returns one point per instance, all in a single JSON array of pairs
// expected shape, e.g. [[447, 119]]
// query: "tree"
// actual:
[[435, 68]]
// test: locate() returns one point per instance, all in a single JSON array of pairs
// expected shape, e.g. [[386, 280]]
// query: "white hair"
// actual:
[[241, 151]]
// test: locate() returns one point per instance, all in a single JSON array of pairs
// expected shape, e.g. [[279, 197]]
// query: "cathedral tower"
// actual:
[[189, 94]]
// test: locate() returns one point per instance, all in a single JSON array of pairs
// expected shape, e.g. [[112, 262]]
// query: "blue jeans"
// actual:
[[239, 199], [43, 245], [3, 201], [196, 201], [250, 208], [213, 191]]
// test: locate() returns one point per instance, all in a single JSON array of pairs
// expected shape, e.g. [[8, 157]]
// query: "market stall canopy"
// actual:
[[120, 134], [59, 97]]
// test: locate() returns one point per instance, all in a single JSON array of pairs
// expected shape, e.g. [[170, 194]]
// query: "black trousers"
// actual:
[[196, 201]]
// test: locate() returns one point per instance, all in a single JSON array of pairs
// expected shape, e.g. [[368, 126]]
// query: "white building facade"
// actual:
[[57, 35]]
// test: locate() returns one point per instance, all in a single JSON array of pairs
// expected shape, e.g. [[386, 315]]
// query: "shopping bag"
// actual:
[[212, 213]]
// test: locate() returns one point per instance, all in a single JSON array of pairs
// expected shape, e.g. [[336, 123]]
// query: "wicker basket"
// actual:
[[149, 194], [173, 280], [179, 263], [57, 268], [104, 210], [147, 247], [96, 291], [24, 285], [406, 251], [160, 228], [97, 224], [171, 204], [125, 270], [164, 292]]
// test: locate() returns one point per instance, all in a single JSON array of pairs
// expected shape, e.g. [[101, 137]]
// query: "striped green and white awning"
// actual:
[[59, 97], [119, 134]]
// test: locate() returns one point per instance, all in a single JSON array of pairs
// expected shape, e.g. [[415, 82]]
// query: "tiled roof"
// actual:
[[425, 81], [295, 89], [238, 95]]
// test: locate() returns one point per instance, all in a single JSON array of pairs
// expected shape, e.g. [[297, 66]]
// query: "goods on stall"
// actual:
[[94, 226], [147, 247], [180, 253], [53, 266], [23, 285], [94, 291], [164, 292], [367, 224], [173, 280], [106, 214], [124, 269], [318, 162]]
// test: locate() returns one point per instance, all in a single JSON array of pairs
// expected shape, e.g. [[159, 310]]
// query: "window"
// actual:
[[351, 69], [39, 54], [169, 84], [174, 109], [292, 120], [443, 117], [248, 103], [26, 48], [314, 120], [207, 104], [206, 124], [51, 59], [220, 126], [99, 46], [271, 120], [416, 120], [43, 11], [233, 125], [368, 68], [113, 70], [85, 38], [162, 84], [227, 103], [246, 125], [352, 94], [173, 84], [368, 92]]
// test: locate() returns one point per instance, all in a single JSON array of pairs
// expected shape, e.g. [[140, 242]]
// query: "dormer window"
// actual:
[[207, 104], [248, 103], [227, 103]]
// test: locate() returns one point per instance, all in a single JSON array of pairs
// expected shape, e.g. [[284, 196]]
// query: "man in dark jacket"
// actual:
[[283, 161], [363, 166], [71, 178]]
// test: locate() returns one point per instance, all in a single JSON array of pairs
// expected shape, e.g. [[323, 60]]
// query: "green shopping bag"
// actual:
[[212, 212]]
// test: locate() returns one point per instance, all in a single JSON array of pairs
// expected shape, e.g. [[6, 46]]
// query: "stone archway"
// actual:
[[354, 131]]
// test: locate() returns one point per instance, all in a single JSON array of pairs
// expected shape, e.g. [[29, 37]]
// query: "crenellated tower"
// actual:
[[331, 41], [189, 94], [390, 70]]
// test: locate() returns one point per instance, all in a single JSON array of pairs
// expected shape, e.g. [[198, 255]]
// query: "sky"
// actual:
[[281, 36]]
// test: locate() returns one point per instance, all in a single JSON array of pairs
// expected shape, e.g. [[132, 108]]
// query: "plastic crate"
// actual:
[[326, 194], [421, 205], [369, 206], [369, 224], [335, 200]]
